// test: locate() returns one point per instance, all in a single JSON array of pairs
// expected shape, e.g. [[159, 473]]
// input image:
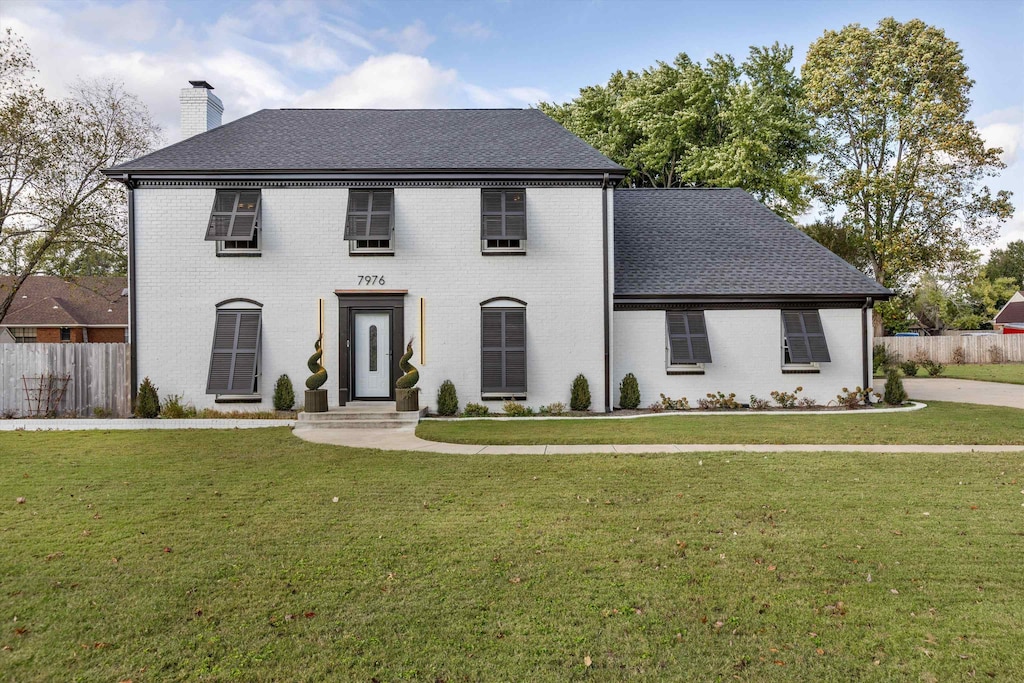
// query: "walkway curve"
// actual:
[[964, 391]]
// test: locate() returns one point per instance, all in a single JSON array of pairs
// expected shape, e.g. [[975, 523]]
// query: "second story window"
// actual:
[[235, 222], [370, 221], [503, 221]]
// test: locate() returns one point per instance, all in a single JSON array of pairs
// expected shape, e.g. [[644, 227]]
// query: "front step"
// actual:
[[360, 416]]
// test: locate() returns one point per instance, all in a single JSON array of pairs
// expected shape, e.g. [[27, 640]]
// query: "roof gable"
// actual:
[[718, 242], [364, 140], [49, 301]]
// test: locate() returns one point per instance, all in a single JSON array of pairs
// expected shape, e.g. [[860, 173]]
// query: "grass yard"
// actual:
[[939, 423], [1009, 373], [215, 555]]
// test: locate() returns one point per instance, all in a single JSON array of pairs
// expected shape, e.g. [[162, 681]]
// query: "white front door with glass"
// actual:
[[372, 341]]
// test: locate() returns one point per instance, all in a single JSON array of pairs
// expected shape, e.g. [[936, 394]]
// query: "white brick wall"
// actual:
[[746, 347], [437, 231]]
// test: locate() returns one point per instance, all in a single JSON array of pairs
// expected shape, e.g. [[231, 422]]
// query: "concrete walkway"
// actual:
[[964, 391], [405, 439]]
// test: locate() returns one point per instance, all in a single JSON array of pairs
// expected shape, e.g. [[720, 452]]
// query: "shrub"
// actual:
[[174, 408], [674, 404], [514, 409], [580, 399], [718, 401], [895, 394], [881, 358], [786, 399], [909, 367], [656, 407], [996, 354], [806, 402], [447, 399], [101, 413], [629, 392], [284, 394], [556, 408], [959, 356], [933, 368], [758, 403], [475, 410], [147, 403], [853, 399]]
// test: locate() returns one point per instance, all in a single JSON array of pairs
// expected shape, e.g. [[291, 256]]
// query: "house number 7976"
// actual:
[[371, 279]]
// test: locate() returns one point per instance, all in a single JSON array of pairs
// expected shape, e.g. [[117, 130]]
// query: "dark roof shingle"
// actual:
[[721, 242], [381, 139], [1012, 313]]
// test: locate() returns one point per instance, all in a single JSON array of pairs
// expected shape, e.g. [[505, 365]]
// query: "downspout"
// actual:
[[132, 338], [607, 315], [865, 351]]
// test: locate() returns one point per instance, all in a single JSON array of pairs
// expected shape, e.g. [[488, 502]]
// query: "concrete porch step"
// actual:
[[360, 415]]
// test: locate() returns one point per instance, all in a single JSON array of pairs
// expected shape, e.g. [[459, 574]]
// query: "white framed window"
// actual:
[[803, 342], [503, 221], [503, 349], [235, 222], [370, 222], [687, 347]]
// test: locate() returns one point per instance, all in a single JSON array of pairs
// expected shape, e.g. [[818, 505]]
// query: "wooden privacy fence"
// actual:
[[64, 379], [1000, 348]]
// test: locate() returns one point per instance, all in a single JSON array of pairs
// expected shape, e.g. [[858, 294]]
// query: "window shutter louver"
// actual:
[[503, 214], [235, 215], [370, 215], [688, 338], [503, 350], [234, 361], [805, 337]]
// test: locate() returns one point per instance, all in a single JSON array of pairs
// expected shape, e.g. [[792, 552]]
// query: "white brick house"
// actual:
[[487, 236]]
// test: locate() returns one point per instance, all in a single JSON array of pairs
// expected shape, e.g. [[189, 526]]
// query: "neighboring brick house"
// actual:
[[1010, 319], [48, 309], [493, 237]]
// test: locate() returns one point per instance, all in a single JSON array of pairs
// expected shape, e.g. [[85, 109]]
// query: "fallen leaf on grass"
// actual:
[[515, 579], [587, 661], [167, 550], [20, 500], [820, 651], [771, 567], [897, 532], [779, 662], [894, 591], [20, 631], [54, 556], [309, 615]]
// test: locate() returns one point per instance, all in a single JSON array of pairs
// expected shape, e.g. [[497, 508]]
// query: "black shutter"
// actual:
[[234, 361], [503, 214], [688, 338], [503, 350], [235, 215], [805, 337], [370, 215]]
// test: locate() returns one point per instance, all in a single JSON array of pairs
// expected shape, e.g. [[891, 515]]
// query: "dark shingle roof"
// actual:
[[1011, 313], [45, 300], [380, 139], [721, 242]]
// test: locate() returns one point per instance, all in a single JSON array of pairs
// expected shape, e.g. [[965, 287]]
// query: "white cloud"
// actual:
[[1006, 136], [413, 38], [397, 81], [472, 31]]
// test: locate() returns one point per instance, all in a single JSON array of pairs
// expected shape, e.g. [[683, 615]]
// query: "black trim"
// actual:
[[865, 351], [239, 254], [491, 252], [369, 301], [503, 298], [133, 353], [680, 371], [801, 371], [364, 254], [607, 312], [238, 399], [721, 305], [238, 300], [383, 175]]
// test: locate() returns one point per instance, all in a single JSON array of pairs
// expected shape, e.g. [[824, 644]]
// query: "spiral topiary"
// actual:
[[319, 376], [412, 375]]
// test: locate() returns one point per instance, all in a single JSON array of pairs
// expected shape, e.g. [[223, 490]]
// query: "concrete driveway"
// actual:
[[963, 391]]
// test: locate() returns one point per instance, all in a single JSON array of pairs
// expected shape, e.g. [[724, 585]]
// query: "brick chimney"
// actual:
[[200, 109]]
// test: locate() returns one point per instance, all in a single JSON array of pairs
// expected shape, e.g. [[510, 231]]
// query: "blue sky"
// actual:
[[493, 53]]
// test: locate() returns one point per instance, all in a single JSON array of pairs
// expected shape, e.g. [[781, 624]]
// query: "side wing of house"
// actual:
[[715, 293]]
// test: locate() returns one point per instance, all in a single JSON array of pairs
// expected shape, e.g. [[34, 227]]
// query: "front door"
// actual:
[[372, 341]]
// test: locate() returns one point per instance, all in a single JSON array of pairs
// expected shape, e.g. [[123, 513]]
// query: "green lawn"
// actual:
[[202, 555], [939, 423], [1010, 373]]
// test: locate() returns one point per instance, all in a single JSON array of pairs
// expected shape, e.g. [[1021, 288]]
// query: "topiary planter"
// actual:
[[407, 400], [316, 400]]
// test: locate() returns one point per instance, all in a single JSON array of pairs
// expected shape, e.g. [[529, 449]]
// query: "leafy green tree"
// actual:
[[717, 124], [58, 213], [1007, 262], [841, 239], [900, 161]]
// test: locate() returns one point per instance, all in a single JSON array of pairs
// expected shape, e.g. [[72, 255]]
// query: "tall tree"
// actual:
[[901, 163], [55, 205], [1007, 262], [716, 124]]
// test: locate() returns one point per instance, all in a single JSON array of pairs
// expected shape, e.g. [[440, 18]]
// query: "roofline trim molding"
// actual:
[[351, 177]]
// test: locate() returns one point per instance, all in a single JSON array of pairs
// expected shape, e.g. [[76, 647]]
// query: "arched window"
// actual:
[[235, 359], [503, 348]]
